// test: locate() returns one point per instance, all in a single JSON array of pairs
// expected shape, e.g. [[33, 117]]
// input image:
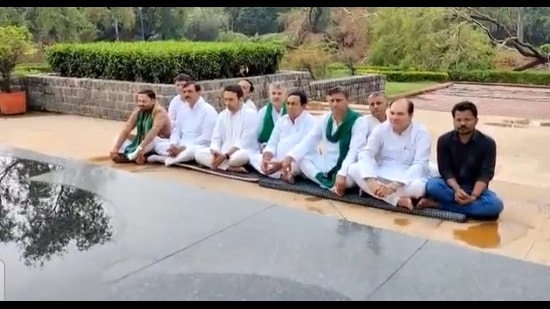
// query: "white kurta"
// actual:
[[250, 104], [285, 136], [232, 130], [175, 104], [274, 115], [395, 157], [372, 122], [311, 161], [192, 129]]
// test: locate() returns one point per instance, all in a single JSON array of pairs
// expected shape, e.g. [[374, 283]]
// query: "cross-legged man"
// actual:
[[343, 133], [393, 166], [234, 136], [151, 122], [192, 129], [466, 160], [288, 131]]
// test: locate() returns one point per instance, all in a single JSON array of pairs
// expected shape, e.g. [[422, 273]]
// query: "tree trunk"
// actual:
[[519, 26]]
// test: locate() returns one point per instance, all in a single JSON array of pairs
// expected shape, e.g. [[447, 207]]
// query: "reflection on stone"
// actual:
[[42, 218], [220, 287]]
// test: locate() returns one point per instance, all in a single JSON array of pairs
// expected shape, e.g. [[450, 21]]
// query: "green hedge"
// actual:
[[159, 62], [480, 76], [409, 76]]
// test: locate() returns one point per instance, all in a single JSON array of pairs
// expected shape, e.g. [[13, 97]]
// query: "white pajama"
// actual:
[[394, 157], [232, 130], [286, 134], [311, 162], [192, 129]]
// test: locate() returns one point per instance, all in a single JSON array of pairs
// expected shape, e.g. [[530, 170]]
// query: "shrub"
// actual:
[[160, 61], [507, 77], [480, 76], [409, 76], [15, 42]]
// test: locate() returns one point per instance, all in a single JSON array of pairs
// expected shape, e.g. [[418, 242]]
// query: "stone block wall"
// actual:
[[116, 99]]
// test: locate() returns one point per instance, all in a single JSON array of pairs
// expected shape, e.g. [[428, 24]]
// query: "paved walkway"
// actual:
[[522, 178]]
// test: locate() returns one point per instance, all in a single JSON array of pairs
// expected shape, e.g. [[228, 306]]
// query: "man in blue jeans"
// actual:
[[466, 160]]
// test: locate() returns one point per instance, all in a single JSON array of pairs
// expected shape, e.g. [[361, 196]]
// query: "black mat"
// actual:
[[251, 176], [307, 187]]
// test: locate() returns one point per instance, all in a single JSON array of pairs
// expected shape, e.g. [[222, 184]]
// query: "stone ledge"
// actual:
[[115, 99]]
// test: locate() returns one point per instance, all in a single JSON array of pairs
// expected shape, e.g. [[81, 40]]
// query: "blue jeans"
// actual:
[[487, 207]]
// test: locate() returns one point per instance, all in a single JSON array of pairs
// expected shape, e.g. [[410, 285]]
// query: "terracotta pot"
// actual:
[[13, 103]]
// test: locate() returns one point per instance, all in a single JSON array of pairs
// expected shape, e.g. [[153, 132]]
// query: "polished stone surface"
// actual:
[[135, 238], [445, 272]]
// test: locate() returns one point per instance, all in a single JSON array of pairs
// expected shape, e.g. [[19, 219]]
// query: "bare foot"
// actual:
[[426, 202], [288, 178], [120, 158], [405, 202], [236, 169]]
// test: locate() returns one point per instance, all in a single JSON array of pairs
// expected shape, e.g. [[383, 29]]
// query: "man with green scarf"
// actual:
[[271, 112], [342, 132], [151, 122]]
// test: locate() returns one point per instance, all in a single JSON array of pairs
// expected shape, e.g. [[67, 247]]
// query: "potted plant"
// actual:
[[15, 42]]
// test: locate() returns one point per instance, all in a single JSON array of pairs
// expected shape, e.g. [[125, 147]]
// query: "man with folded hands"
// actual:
[[288, 131], [393, 166]]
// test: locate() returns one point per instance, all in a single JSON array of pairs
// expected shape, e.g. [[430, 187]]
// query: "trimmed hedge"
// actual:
[[160, 61], [480, 76]]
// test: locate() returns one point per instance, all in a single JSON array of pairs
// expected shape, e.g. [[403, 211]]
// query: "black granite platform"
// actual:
[[74, 231]]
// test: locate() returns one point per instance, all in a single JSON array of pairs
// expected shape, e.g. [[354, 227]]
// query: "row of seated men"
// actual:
[[386, 154]]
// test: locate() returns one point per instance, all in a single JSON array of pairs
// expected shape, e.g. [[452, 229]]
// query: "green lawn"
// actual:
[[395, 88]]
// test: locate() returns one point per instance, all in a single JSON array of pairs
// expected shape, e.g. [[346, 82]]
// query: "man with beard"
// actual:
[[393, 167], [271, 112], [151, 122], [378, 107], [192, 129], [342, 131], [289, 130], [466, 160], [179, 98], [234, 136]]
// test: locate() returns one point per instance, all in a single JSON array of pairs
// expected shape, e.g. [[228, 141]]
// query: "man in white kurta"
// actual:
[[394, 164], [178, 99], [192, 130], [343, 133], [271, 112], [248, 87], [377, 106], [289, 130], [234, 136]]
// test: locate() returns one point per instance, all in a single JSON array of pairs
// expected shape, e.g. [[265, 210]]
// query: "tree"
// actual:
[[479, 19], [426, 38], [44, 219], [349, 32]]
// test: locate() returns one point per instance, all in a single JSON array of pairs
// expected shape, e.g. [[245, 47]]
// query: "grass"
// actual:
[[395, 88], [392, 88]]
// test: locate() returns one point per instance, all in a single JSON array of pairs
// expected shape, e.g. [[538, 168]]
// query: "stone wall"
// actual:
[[115, 99]]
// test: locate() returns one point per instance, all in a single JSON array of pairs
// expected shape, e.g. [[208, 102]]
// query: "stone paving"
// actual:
[[522, 178]]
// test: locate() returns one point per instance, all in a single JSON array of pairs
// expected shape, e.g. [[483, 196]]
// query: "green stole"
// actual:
[[144, 124], [342, 135], [268, 124]]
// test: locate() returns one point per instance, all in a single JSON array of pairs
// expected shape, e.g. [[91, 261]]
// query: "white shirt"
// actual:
[[332, 150], [174, 106], [235, 130], [274, 115], [397, 157], [372, 122], [194, 125], [250, 104], [287, 134]]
